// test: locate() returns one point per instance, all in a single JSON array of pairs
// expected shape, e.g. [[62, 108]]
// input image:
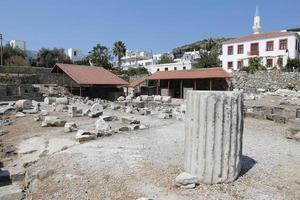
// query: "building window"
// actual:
[[184, 68], [254, 49], [175, 68], [230, 65], [240, 64], [157, 69], [166, 69], [296, 45], [270, 46], [75, 53], [270, 62], [240, 49], [283, 44], [230, 50]]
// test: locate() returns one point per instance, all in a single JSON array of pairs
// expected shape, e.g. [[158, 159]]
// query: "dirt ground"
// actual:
[[144, 163]]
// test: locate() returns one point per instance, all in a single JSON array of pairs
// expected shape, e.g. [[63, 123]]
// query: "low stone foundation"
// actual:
[[276, 114]]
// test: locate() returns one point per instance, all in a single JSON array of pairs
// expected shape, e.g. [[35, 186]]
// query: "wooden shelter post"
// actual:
[[157, 86], [169, 87], [181, 96]]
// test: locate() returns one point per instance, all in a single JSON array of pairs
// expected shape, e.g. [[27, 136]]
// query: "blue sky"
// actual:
[[157, 25]]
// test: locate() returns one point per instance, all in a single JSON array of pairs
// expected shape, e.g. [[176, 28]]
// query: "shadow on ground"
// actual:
[[247, 164], [4, 178]]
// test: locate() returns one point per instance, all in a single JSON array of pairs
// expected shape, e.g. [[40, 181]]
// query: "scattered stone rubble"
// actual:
[[84, 135], [186, 180], [70, 127], [53, 121], [158, 106], [34, 148]]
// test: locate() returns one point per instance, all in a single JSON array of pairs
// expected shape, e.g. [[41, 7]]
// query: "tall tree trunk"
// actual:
[[119, 62]]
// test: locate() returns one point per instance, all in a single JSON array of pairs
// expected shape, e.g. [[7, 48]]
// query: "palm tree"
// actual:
[[119, 50]]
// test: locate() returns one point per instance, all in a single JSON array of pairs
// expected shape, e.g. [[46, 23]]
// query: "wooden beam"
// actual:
[[80, 91], [195, 84], [157, 87], [169, 87], [181, 95], [210, 84]]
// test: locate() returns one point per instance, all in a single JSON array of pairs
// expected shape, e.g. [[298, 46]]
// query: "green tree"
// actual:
[[208, 58], [100, 56], [136, 71], [119, 50], [84, 61], [165, 58], [13, 56], [292, 64], [48, 57], [254, 65]]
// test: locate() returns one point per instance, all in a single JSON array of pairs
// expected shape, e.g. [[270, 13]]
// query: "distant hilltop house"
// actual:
[[75, 54], [151, 62], [274, 48], [18, 44], [134, 59], [31, 55]]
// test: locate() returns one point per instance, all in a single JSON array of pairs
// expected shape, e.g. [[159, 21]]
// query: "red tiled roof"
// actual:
[[137, 82], [258, 36], [217, 72], [88, 75]]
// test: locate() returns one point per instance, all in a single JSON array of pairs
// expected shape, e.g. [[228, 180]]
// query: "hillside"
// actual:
[[202, 44]]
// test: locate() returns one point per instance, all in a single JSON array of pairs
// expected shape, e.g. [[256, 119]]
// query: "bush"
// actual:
[[252, 69], [254, 65], [131, 71], [292, 64]]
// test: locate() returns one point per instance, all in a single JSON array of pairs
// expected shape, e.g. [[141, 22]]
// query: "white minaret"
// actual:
[[256, 26]]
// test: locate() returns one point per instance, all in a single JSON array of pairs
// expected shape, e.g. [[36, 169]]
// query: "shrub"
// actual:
[[292, 64], [254, 65]]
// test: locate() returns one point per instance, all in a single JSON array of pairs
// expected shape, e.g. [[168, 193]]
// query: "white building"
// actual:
[[18, 44], [75, 54], [190, 56], [273, 48], [136, 59], [185, 65]]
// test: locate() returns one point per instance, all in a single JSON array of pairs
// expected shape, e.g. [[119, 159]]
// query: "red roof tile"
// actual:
[[88, 75], [258, 36], [217, 72], [137, 82]]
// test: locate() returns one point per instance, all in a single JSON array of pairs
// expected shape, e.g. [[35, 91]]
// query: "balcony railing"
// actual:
[[253, 53]]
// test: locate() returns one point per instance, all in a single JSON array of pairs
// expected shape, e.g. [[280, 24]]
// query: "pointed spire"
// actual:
[[257, 11], [256, 25]]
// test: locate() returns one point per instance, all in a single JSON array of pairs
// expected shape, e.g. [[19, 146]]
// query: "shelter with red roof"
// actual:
[[177, 83], [89, 81]]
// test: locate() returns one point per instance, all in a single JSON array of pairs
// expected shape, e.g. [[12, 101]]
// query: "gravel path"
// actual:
[[145, 163]]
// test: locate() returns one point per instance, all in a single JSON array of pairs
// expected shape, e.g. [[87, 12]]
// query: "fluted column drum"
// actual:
[[213, 135]]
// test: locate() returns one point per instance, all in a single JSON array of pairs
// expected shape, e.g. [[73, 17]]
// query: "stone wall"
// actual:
[[24, 70], [18, 82], [266, 80], [31, 75]]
